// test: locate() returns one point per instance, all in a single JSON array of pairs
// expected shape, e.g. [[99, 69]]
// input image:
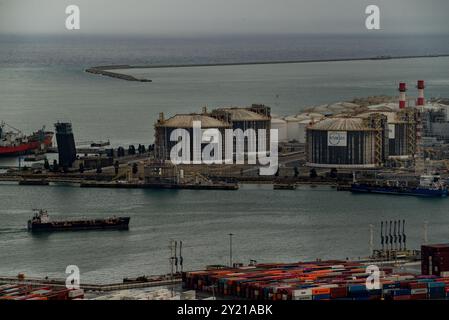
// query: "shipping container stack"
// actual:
[[332, 280], [435, 259], [34, 292]]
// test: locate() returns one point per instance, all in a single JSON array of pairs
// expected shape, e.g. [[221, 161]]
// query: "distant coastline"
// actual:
[[106, 70]]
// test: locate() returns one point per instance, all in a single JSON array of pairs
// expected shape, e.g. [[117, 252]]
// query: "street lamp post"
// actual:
[[230, 249]]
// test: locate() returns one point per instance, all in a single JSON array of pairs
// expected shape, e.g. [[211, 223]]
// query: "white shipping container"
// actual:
[[360, 274], [419, 291], [328, 286], [302, 297], [302, 292]]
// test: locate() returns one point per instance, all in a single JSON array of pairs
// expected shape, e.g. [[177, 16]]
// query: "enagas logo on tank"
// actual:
[[337, 139]]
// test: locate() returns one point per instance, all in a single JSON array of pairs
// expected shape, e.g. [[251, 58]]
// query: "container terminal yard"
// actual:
[[397, 279]]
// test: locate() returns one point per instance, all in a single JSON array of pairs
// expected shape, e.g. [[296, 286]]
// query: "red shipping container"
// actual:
[[434, 258], [405, 297], [417, 285], [340, 292], [422, 296]]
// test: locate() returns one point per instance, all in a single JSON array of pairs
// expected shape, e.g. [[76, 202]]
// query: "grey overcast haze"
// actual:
[[192, 17]]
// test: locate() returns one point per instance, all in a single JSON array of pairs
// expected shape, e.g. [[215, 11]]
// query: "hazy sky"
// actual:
[[191, 17]]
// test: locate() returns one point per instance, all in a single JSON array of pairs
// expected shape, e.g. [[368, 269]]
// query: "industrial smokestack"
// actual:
[[420, 101], [402, 98]]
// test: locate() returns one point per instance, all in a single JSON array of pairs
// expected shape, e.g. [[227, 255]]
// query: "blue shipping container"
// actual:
[[401, 292], [361, 298], [391, 285], [375, 292], [321, 296], [357, 288]]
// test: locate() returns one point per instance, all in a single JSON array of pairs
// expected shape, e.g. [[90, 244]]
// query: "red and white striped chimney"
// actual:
[[402, 99], [420, 86]]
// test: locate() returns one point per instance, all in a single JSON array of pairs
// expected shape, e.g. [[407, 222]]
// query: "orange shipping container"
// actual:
[[317, 291]]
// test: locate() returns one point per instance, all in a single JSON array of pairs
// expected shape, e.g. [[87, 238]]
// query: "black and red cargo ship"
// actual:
[[42, 222], [16, 143]]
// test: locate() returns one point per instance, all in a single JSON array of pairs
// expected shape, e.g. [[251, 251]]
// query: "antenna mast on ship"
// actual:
[[3, 124]]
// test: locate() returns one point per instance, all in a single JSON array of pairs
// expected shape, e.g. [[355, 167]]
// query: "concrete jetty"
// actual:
[[104, 71]]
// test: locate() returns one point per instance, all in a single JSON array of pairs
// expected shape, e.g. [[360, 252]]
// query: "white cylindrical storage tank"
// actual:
[[302, 116], [292, 128], [302, 129], [315, 116], [281, 126]]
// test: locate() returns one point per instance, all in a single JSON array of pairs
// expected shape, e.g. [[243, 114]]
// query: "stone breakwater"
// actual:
[[106, 71]]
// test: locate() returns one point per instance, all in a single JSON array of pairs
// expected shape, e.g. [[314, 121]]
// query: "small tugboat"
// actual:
[[42, 222], [429, 186]]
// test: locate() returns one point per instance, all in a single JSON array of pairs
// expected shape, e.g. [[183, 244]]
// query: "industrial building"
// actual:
[[254, 117], [361, 134], [293, 128], [164, 127], [66, 144], [435, 121], [401, 132], [343, 142], [370, 136]]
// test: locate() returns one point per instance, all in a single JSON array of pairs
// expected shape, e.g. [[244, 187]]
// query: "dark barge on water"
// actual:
[[42, 222], [429, 186]]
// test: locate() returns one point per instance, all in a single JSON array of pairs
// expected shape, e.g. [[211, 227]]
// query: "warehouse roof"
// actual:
[[186, 121], [340, 124], [243, 114]]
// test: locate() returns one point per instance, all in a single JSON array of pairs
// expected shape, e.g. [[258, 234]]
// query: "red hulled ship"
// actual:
[[15, 142]]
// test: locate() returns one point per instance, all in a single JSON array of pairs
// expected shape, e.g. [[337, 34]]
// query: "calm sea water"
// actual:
[[42, 81]]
